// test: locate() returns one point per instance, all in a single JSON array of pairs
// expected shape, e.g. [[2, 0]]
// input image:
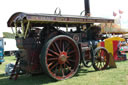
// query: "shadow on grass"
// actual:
[[82, 71], [2, 75], [26, 80], [109, 68], [38, 79]]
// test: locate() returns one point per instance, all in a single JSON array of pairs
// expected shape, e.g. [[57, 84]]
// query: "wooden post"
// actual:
[[112, 63]]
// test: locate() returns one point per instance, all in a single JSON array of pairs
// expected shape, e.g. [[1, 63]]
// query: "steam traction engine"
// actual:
[[44, 46]]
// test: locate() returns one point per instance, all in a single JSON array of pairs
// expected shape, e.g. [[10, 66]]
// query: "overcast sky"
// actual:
[[99, 8]]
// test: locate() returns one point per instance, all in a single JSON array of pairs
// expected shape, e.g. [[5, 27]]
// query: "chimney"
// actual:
[[87, 7]]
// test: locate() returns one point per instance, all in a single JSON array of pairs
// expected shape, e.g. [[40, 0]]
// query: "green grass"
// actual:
[[85, 76]]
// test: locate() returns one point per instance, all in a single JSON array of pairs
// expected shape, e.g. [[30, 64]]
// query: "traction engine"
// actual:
[[56, 44]]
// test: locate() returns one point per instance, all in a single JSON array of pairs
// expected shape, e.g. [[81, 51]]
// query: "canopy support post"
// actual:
[[15, 28], [28, 25], [22, 27], [12, 30], [66, 27]]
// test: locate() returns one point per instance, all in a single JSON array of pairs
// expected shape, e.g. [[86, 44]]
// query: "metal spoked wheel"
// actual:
[[101, 58], [86, 59], [60, 57]]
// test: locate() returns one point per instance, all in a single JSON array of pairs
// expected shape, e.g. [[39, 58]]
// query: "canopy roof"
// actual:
[[115, 38], [56, 19]]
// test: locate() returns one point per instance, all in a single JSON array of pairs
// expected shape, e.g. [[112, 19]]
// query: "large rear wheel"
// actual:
[[60, 57]]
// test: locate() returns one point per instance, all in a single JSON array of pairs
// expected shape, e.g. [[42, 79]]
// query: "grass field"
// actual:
[[85, 76]]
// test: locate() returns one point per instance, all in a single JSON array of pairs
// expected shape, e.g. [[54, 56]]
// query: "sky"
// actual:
[[99, 8]]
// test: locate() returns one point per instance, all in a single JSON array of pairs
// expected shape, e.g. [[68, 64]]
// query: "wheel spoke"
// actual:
[[68, 49], [57, 47], [97, 63], [55, 73], [50, 64], [59, 68], [71, 60], [100, 62], [68, 62], [55, 65], [103, 63], [62, 70], [69, 56], [54, 52], [51, 59], [63, 46], [100, 52], [54, 48], [60, 43], [100, 65], [64, 65], [69, 68], [49, 54], [105, 58], [67, 45], [71, 52]]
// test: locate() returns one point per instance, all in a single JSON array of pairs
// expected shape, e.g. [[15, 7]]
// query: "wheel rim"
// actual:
[[62, 58], [101, 59]]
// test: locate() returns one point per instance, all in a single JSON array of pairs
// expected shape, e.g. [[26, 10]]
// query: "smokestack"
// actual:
[[87, 7]]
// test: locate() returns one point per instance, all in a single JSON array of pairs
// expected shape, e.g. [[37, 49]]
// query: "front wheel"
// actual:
[[60, 57], [101, 58]]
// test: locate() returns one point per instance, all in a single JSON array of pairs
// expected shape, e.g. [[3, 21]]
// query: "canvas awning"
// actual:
[[56, 19]]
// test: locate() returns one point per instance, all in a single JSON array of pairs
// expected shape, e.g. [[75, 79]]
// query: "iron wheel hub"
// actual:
[[62, 58]]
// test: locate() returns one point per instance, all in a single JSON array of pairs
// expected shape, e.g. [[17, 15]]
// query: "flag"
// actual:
[[114, 14], [120, 11]]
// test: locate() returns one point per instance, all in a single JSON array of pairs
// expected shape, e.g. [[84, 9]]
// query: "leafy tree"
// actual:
[[8, 35]]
